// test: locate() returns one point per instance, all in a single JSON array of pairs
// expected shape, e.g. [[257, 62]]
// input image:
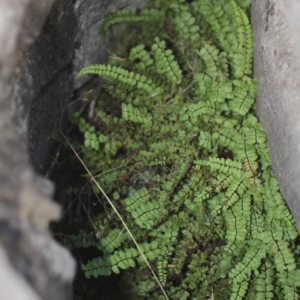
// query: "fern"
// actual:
[[165, 63], [185, 160], [128, 15], [184, 23], [140, 53]]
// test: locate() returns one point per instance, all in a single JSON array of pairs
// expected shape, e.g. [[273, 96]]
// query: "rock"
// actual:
[[277, 69], [33, 264], [69, 41]]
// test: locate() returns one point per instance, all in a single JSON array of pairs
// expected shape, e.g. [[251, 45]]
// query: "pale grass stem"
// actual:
[[120, 217]]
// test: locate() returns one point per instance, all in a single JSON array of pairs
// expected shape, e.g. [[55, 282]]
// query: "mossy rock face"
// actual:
[[184, 162]]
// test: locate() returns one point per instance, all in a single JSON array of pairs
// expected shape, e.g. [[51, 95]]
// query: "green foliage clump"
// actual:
[[185, 162]]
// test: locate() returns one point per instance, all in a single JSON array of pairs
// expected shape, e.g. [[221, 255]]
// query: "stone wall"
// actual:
[[276, 28]]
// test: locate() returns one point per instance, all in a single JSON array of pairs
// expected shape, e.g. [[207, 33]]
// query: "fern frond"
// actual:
[[97, 267], [201, 108], [162, 270], [251, 261], [131, 16], [113, 240], [129, 79], [202, 83], [220, 92], [243, 56], [144, 208], [165, 62], [81, 240], [123, 259], [264, 282], [210, 55], [144, 57], [184, 23], [283, 258], [239, 290], [227, 137], [219, 22], [253, 131], [242, 101], [135, 114], [222, 165]]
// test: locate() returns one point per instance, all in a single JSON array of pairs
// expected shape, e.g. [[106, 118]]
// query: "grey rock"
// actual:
[[277, 69], [69, 41], [37, 77]]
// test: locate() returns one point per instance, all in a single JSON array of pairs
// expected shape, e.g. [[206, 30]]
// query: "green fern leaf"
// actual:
[[165, 62], [130, 16], [251, 261], [144, 57], [242, 59], [264, 283], [97, 267], [129, 79], [184, 22], [239, 290], [242, 101]]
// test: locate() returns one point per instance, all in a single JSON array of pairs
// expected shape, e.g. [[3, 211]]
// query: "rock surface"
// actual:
[[69, 41], [277, 68], [33, 265]]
